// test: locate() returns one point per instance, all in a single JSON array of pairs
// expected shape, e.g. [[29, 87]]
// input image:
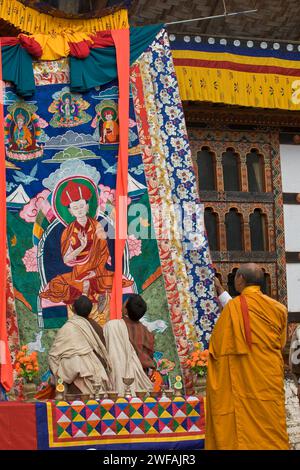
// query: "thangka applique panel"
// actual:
[[61, 160]]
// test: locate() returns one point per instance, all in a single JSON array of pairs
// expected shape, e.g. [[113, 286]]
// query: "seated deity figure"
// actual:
[[84, 248]]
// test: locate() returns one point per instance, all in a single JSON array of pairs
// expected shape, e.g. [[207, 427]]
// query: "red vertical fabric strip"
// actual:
[[6, 372], [122, 43], [246, 319]]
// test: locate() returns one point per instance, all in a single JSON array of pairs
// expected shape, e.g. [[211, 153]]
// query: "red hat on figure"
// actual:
[[74, 192]]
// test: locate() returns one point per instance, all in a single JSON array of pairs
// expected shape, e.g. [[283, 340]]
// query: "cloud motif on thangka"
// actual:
[[138, 170], [73, 167], [10, 98], [72, 153], [70, 139], [109, 93], [58, 94], [158, 325]]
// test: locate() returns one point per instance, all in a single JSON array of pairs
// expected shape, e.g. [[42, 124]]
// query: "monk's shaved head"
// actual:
[[252, 274]]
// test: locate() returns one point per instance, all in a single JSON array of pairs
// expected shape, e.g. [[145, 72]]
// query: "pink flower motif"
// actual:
[[31, 210], [132, 123], [107, 196], [134, 245], [30, 260]]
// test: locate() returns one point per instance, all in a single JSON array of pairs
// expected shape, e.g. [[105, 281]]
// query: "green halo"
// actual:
[[65, 96], [108, 108], [63, 212]]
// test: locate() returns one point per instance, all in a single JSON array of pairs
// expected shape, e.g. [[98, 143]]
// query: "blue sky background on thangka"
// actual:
[[62, 138]]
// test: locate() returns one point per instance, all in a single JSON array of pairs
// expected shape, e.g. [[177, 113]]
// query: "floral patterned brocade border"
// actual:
[[188, 273]]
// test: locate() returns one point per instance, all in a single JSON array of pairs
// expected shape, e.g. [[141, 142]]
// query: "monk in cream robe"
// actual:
[[124, 360], [245, 407], [79, 357]]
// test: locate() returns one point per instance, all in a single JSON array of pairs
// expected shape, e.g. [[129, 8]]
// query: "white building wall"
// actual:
[[293, 286], [292, 226], [290, 169]]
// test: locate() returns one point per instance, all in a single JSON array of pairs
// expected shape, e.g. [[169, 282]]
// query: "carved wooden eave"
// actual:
[[197, 113]]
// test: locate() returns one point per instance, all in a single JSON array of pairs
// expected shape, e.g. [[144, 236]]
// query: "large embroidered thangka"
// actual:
[[61, 158]]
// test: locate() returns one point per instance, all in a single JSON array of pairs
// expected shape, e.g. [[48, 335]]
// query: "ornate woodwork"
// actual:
[[269, 201]]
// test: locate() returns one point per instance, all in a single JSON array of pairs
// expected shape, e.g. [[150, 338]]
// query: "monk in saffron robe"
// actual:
[[245, 390], [84, 248]]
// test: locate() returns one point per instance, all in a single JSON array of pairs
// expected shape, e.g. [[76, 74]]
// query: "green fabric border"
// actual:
[[17, 68], [100, 67]]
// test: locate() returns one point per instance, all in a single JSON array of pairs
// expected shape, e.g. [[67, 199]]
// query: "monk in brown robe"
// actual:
[[245, 391], [84, 248], [140, 337]]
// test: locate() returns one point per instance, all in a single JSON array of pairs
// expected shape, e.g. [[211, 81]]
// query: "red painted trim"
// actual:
[[214, 64], [246, 319]]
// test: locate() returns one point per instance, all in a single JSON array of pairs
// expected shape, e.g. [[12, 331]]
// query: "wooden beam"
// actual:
[[198, 113], [294, 317], [292, 256], [291, 198]]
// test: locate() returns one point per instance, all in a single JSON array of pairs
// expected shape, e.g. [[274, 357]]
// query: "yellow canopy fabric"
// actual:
[[57, 46], [238, 88], [31, 21], [256, 80]]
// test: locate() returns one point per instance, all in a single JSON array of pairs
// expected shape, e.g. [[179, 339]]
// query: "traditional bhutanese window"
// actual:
[[233, 223], [230, 283], [230, 162], [258, 231], [211, 225], [255, 169], [206, 170]]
